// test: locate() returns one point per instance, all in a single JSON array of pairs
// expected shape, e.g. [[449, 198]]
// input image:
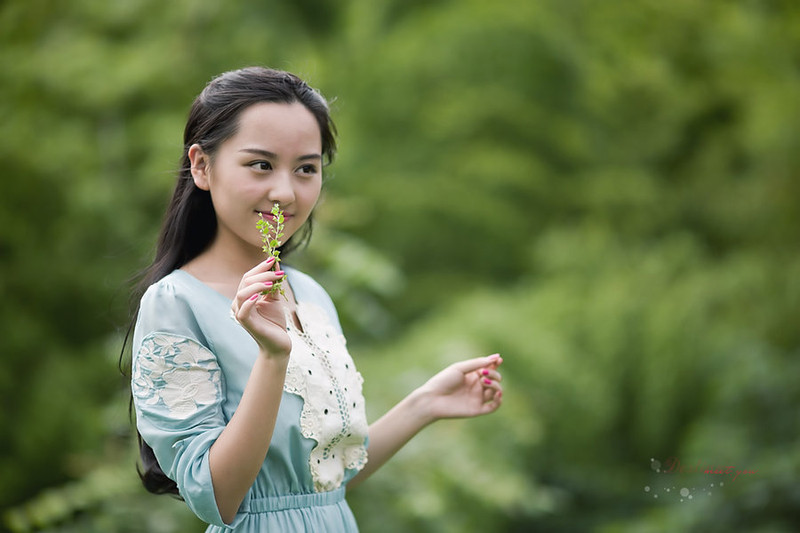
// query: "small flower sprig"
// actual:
[[271, 239]]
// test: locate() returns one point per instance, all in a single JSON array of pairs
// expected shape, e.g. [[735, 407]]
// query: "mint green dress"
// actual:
[[191, 361]]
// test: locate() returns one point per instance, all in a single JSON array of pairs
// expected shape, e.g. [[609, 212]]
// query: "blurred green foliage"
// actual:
[[604, 192]]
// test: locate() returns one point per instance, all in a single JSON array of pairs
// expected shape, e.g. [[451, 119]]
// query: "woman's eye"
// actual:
[[308, 169], [261, 165]]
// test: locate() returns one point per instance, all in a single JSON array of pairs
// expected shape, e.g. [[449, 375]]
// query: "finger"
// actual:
[[492, 391], [247, 292], [260, 268], [489, 372], [488, 395], [246, 306], [263, 266], [492, 405], [257, 278], [275, 276], [492, 385], [263, 277], [471, 365], [260, 279]]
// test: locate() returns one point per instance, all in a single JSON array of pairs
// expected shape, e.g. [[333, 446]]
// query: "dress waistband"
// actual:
[[293, 501]]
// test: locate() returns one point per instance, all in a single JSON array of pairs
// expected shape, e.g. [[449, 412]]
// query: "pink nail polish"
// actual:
[[279, 272], [485, 372], [487, 381], [268, 284], [269, 261], [253, 297]]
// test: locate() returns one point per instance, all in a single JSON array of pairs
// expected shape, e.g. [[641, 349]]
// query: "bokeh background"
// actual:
[[606, 192]]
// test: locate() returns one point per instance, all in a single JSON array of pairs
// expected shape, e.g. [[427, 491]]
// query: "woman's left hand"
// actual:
[[465, 389]]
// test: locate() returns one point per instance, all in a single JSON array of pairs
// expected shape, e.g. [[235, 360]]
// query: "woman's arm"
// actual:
[[237, 455], [465, 389]]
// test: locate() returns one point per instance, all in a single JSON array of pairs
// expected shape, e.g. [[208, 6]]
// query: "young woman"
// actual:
[[248, 404]]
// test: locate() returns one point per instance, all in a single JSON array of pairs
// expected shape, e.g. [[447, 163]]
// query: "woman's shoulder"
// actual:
[[178, 293], [308, 291], [306, 288], [171, 305], [173, 286], [301, 281]]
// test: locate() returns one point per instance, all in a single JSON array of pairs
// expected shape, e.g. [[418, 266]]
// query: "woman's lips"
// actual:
[[270, 216]]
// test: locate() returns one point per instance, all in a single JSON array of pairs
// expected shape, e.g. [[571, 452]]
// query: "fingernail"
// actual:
[[270, 261], [485, 372], [268, 284], [487, 381], [279, 272], [253, 297]]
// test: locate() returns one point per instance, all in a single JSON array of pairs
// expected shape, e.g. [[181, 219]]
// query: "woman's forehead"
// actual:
[[278, 124]]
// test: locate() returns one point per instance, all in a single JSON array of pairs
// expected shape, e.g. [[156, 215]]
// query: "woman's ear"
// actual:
[[200, 166]]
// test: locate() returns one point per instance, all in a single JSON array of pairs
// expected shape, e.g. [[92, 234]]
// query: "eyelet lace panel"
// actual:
[[175, 371], [322, 372]]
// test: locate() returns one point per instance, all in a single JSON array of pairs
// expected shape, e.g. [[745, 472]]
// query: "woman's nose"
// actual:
[[281, 190]]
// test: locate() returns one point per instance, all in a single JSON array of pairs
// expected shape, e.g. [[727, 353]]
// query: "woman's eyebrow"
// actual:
[[259, 151], [272, 155]]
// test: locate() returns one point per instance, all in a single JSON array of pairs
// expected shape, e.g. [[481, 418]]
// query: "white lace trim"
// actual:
[[176, 371], [322, 372]]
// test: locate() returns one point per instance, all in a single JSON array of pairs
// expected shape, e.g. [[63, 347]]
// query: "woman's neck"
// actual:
[[223, 264]]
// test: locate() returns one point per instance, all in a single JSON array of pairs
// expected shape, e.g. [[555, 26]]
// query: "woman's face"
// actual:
[[274, 157]]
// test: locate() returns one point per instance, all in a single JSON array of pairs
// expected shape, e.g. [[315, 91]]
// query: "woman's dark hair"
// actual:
[[190, 222]]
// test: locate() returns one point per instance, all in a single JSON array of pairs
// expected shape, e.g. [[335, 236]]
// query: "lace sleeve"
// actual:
[[178, 392], [176, 374]]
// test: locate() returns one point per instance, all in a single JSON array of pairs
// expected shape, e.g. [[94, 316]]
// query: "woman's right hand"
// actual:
[[262, 315]]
